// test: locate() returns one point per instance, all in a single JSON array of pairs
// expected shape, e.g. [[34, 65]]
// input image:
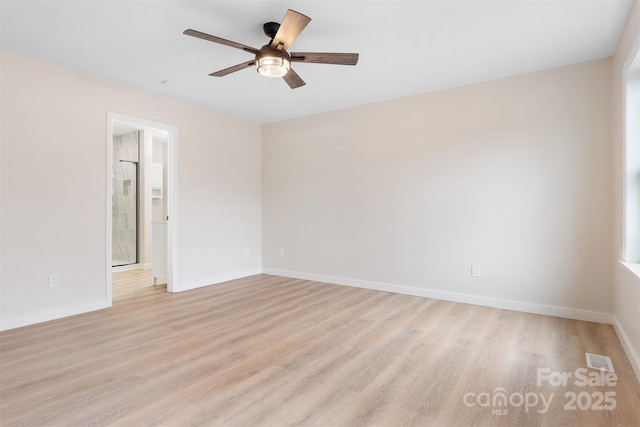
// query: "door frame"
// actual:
[[171, 193]]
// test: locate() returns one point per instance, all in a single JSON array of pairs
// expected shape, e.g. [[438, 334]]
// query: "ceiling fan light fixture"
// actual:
[[273, 66]]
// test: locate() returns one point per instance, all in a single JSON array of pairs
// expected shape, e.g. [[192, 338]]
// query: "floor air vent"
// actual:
[[597, 361]]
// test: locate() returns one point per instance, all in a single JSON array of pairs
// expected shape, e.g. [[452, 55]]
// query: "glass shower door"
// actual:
[[125, 213]]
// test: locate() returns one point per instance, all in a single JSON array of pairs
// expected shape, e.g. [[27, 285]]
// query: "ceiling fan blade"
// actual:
[[326, 58], [209, 37], [293, 79], [292, 25], [233, 69]]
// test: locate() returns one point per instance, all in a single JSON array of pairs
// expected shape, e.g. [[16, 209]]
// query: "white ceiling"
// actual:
[[406, 47]]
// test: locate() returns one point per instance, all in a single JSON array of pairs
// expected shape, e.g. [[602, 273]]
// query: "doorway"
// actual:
[[141, 197]]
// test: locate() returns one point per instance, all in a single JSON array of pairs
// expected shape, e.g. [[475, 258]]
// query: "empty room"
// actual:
[[320, 213]]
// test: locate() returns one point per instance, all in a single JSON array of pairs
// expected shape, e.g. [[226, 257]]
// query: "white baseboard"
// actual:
[[58, 313], [179, 287], [45, 316], [527, 307], [632, 355]]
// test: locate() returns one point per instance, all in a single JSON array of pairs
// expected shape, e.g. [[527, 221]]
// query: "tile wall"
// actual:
[[124, 199]]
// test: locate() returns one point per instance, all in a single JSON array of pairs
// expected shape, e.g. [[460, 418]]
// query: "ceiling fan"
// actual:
[[272, 59]]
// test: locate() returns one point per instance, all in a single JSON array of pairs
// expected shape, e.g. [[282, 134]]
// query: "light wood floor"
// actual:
[[271, 351]]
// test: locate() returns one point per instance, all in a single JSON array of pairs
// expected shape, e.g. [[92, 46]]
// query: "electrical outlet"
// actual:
[[476, 270], [54, 280], [281, 252]]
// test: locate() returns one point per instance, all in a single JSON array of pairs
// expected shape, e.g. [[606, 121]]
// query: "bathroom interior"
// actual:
[[139, 198]]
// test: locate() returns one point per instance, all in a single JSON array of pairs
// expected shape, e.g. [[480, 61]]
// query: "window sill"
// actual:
[[634, 267]]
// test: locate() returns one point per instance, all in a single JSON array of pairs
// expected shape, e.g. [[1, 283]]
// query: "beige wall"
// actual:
[[53, 180], [513, 174], [626, 307]]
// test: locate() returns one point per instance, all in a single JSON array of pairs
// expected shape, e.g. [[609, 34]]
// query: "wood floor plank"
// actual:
[[274, 351]]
